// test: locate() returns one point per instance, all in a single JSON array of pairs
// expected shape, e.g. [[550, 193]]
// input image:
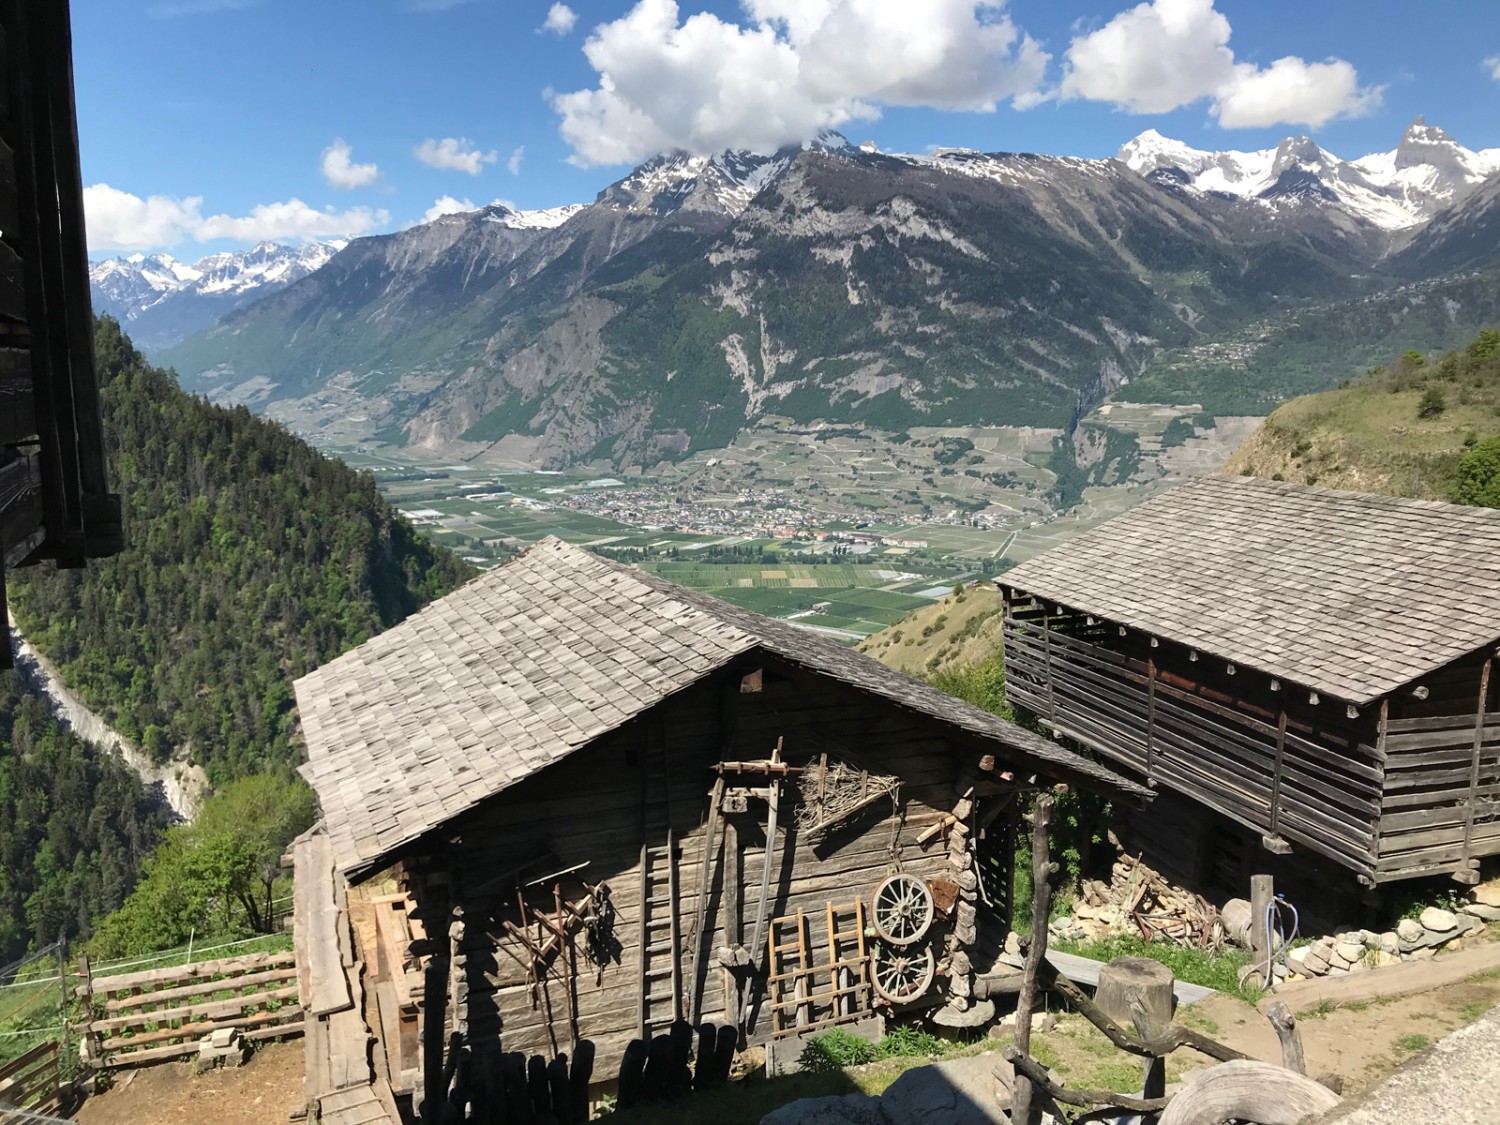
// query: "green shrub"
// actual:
[[1433, 403], [902, 1042], [1478, 481], [835, 1050]]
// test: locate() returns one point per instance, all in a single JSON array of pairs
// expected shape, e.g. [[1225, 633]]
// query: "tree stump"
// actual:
[[1139, 990]]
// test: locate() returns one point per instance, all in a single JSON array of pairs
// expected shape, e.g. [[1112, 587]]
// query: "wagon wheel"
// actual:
[[901, 909], [901, 975]]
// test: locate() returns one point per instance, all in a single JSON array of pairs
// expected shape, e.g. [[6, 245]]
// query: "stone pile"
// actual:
[[224, 1047], [1413, 939], [1138, 900]]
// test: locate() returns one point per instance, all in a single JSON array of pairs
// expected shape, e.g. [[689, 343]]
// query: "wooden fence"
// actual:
[[30, 1083], [160, 1014]]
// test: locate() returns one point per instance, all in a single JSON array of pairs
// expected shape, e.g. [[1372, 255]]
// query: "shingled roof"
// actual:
[[536, 659], [1348, 594]]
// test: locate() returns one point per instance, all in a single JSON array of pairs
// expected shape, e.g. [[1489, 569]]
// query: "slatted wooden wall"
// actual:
[[54, 500]]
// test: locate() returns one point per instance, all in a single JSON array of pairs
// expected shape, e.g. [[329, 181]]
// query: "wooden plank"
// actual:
[[1084, 970], [196, 1031], [326, 969], [199, 971], [211, 1009], [201, 988]]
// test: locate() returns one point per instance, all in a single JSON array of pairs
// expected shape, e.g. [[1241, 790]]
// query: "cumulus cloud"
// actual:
[[455, 154], [1492, 64], [447, 205], [1164, 54], [799, 66], [118, 220], [560, 19], [513, 161], [340, 170]]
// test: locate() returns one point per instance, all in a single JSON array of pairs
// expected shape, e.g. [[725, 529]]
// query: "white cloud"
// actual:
[[1291, 91], [118, 220], [560, 19], [456, 154], [1164, 54], [704, 84], [340, 170], [447, 205], [513, 161], [1492, 64]]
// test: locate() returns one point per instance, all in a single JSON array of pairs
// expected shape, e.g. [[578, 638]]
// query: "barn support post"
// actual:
[[1262, 891], [1036, 952], [1276, 772], [1466, 872], [1151, 719], [1047, 658]]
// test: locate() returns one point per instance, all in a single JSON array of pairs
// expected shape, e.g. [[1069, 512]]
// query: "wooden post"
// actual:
[[1464, 874], [1151, 719], [1139, 989], [1291, 1040], [1047, 657], [1262, 892], [1275, 828], [1041, 908], [731, 910]]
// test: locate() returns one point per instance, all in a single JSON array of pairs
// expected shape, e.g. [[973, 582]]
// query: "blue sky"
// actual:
[[213, 122]]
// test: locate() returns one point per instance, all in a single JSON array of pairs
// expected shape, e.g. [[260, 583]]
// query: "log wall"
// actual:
[[601, 804]]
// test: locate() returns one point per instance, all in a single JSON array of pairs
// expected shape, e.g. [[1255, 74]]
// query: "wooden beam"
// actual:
[[1484, 699], [1036, 952]]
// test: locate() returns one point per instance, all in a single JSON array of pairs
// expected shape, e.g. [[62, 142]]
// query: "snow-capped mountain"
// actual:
[[1426, 172], [160, 300]]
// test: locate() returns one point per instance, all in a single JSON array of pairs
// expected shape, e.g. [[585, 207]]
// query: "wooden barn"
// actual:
[[599, 803], [54, 501], [1316, 666]]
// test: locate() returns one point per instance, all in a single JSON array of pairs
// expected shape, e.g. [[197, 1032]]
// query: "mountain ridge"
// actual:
[[823, 282]]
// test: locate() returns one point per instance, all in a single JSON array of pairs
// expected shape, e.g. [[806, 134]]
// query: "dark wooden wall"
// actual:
[[1440, 809], [53, 492], [597, 806], [1256, 751]]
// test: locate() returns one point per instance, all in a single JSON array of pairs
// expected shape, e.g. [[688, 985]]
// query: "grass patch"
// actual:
[[1473, 1010], [1122, 1077], [1412, 1043], [1219, 971], [1318, 1011]]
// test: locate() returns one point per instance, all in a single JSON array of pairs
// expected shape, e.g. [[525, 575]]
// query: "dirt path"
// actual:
[[1360, 1042], [263, 1091]]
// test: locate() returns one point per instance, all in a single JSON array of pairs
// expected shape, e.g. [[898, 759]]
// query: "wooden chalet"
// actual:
[[1316, 666], [609, 803], [54, 503]]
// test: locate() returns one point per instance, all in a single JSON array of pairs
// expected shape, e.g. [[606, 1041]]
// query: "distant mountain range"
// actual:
[[161, 300], [1425, 173], [698, 295]]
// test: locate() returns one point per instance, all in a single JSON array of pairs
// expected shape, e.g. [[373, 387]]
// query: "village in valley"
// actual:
[[581, 690]]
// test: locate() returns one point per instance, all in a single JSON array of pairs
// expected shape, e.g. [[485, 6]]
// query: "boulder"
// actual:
[[1349, 951], [850, 1109], [1408, 929], [1438, 920], [1314, 961], [951, 1092], [1482, 912], [1487, 894], [1388, 942]]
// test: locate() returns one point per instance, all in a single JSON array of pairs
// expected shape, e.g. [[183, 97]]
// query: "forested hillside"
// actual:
[[250, 559], [75, 826], [1426, 426]]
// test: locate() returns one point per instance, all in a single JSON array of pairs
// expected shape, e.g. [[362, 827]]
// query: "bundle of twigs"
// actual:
[[832, 791]]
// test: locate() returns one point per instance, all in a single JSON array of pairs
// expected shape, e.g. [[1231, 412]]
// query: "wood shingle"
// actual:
[[1348, 594], [534, 660]]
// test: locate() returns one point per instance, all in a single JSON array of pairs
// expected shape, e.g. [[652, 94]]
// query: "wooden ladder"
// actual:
[[790, 976], [660, 984]]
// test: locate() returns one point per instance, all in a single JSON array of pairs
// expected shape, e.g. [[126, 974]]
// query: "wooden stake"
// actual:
[[1036, 953]]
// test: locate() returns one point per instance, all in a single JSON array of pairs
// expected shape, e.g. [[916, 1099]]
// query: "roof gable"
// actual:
[[1349, 594], [535, 660]]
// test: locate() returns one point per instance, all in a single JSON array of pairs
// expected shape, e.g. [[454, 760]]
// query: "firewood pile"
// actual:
[[1140, 901]]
